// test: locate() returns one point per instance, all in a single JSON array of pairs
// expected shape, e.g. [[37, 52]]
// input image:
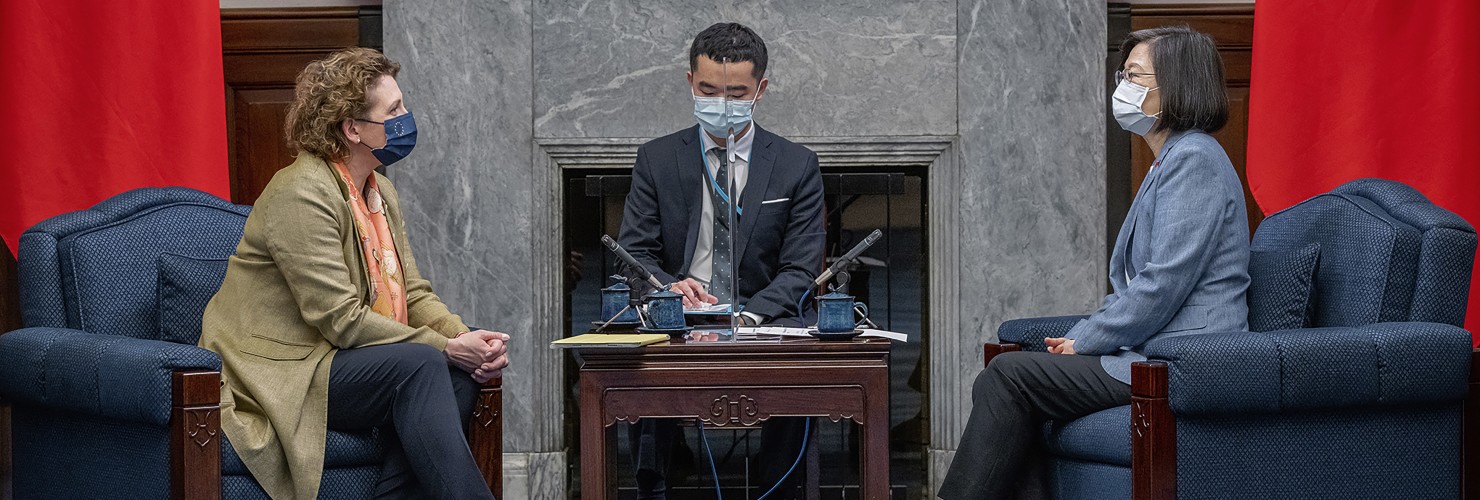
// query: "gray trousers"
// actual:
[[421, 406], [1011, 400]]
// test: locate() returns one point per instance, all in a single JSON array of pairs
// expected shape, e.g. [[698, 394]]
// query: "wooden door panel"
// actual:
[[260, 145]]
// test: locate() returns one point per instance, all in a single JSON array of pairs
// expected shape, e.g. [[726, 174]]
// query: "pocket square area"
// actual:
[[777, 200]]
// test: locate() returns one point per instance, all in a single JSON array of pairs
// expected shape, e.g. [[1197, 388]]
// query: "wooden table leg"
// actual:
[[875, 450], [595, 444]]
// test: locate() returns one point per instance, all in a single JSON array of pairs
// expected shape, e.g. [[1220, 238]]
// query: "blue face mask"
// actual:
[[400, 138], [721, 120]]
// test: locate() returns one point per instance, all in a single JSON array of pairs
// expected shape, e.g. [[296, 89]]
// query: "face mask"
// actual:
[[400, 139], [719, 121], [1126, 106]]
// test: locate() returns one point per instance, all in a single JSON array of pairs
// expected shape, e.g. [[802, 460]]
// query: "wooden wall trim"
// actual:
[[289, 13], [1193, 9], [262, 52], [288, 30]]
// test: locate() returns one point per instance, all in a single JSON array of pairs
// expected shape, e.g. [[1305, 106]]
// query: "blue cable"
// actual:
[[805, 431], [712, 469], [800, 310]]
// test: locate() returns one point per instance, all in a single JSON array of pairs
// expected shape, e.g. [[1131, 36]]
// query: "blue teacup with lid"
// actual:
[[665, 310], [614, 299], [835, 313]]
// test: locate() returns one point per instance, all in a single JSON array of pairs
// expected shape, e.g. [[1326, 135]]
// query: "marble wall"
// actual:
[[1010, 90]]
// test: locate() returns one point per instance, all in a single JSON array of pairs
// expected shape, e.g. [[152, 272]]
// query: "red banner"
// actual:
[[1376, 88], [104, 97]]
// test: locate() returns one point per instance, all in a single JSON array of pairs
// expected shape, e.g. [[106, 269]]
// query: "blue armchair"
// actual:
[[1363, 397], [111, 397]]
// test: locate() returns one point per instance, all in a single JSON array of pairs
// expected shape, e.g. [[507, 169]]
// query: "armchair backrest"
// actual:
[[1387, 254], [97, 270]]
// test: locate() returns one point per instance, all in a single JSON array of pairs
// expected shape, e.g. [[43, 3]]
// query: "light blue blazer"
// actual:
[[1181, 260]]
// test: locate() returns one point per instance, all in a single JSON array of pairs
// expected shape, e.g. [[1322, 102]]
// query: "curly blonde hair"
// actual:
[[329, 91]]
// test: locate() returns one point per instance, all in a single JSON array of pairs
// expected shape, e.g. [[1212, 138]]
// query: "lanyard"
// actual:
[[712, 183]]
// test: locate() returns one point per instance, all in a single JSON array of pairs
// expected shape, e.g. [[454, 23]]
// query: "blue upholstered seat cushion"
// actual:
[[341, 450], [1280, 286], [186, 284], [1103, 437]]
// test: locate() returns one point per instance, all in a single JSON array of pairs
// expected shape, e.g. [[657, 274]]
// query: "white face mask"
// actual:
[[1126, 105], [720, 117]]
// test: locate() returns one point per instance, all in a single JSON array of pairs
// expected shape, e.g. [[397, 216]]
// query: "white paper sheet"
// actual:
[[803, 332]]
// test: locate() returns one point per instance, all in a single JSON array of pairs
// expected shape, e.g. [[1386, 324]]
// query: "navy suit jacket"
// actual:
[[1181, 261], [780, 236]]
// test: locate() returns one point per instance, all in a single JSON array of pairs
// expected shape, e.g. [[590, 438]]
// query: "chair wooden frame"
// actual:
[[195, 424], [1154, 429]]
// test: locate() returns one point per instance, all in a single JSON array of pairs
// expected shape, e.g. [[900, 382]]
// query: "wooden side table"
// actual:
[[743, 383]]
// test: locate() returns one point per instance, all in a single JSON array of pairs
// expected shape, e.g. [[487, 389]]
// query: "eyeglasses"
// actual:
[[1123, 75]]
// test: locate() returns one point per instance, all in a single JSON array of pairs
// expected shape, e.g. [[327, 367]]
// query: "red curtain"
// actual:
[[102, 97], [1376, 88]]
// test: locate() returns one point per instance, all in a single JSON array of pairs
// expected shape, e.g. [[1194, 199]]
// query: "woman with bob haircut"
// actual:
[[1179, 267], [324, 322]]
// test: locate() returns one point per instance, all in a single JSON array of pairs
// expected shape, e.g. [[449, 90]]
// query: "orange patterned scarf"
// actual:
[[387, 284]]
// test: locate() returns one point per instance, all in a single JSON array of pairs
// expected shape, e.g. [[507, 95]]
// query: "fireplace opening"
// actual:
[[891, 278]]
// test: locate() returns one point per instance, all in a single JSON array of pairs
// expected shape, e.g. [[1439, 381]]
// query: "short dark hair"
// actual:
[[1190, 73], [729, 41]]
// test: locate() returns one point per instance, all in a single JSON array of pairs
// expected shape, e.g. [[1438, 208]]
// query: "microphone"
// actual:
[[838, 266], [642, 272]]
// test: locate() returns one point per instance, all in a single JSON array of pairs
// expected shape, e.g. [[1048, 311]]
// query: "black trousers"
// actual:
[[422, 406], [1011, 400], [653, 439]]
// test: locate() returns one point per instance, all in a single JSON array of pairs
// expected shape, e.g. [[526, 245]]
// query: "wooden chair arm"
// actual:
[[486, 434], [195, 428], [1153, 434], [992, 349]]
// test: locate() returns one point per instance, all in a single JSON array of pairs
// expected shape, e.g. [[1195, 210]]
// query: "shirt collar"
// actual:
[[741, 148]]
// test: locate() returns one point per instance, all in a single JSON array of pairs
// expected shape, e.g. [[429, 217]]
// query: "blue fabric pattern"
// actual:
[[347, 483], [63, 454], [104, 375], [1444, 271], [1279, 287], [1383, 452], [1030, 332], [342, 449], [1384, 364], [111, 271], [186, 284], [1071, 479], [1102, 437]]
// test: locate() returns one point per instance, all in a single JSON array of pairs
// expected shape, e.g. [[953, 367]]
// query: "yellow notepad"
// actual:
[[610, 340]]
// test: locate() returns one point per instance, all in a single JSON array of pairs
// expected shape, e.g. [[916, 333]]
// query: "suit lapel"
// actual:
[[762, 162], [1140, 203], [1123, 247], [690, 177]]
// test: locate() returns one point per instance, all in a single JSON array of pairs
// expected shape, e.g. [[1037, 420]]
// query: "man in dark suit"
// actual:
[[677, 223]]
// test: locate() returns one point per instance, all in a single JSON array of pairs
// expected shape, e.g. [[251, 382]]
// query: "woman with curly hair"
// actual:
[[323, 321]]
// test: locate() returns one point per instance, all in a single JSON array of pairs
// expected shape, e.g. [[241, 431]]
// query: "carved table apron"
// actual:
[[725, 384]]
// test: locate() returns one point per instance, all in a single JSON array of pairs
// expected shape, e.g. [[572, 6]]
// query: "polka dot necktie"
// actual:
[[721, 279]]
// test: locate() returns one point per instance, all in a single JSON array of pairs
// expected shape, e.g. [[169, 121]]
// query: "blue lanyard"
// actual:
[[722, 195]]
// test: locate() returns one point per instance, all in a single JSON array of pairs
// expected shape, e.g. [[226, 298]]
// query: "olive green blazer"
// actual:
[[294, 294]]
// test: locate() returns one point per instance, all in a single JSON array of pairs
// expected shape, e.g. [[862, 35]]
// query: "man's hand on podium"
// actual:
[[693, 293]]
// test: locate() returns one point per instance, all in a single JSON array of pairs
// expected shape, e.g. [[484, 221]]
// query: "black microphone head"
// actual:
[[608, 241]]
